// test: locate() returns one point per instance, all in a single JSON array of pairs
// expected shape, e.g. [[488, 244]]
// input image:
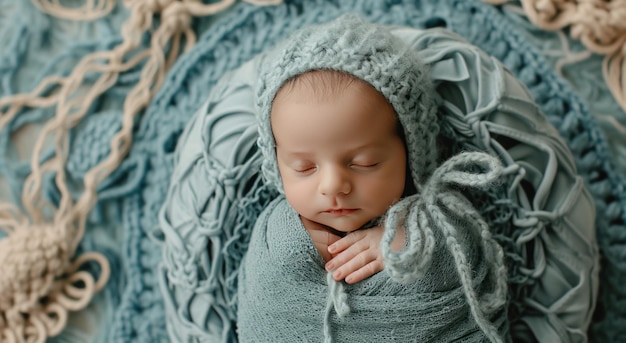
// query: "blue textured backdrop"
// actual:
[[130, 309]]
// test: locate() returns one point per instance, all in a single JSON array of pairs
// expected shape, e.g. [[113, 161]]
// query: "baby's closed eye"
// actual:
[[365, 164], [303, 167]]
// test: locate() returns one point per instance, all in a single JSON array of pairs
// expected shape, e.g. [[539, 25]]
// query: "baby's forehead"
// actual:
[[331, 97], [328, 88], [321, 84]]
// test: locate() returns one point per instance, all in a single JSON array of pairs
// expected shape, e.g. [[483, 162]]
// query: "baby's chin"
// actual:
[[347, 226]]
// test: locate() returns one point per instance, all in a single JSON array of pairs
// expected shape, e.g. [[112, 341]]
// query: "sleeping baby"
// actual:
[[372, 239]]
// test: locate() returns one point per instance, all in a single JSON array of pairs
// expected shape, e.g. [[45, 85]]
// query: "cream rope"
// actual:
[[40, 279], [599, 24], [92, 9]]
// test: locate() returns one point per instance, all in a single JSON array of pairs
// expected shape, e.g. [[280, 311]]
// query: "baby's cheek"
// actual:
[[390, 187], [299, 197]]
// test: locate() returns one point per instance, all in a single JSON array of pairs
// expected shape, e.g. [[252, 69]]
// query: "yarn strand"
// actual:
[[337, 300], [91, 10]]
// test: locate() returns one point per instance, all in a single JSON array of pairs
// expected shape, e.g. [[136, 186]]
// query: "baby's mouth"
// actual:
[[340, 212]]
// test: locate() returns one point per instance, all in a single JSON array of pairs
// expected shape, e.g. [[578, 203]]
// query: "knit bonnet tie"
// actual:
[[337, 300], [435, 209], [439, 206]]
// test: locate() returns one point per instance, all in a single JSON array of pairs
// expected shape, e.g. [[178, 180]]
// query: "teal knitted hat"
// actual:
[[368, 52]]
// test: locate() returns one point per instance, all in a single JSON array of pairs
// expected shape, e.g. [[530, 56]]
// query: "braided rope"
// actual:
[[600, 25], [40, 278]]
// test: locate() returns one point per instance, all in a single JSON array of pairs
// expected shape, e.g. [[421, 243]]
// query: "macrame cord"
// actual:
[[600, 25], [40, 278]]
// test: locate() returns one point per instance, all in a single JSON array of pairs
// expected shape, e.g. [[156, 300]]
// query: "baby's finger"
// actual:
[[354, 264], [344, 257], [366, 271], [345, 242]]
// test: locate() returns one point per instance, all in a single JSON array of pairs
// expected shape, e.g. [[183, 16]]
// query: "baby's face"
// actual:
[[340, 159]]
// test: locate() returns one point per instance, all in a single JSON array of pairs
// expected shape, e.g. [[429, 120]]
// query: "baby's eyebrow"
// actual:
[[296, 154], [367, 147], [308, 154]]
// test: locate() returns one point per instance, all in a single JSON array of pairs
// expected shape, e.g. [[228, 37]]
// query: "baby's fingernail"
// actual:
[[331, 248], [349, 279], [337, 276], [329, 266]]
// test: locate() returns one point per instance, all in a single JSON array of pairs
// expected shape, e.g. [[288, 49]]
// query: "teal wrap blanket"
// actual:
[[284, 292]]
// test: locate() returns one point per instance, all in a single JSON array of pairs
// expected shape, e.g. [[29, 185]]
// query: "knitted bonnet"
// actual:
[[368, 52]]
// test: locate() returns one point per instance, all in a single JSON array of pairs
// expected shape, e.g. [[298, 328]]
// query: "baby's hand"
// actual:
[[356, 256]]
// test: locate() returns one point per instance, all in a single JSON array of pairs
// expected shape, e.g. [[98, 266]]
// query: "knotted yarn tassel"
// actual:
[[338, 300]]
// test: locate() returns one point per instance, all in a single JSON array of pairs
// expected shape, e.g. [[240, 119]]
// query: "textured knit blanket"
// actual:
[[285, 295], [133, 306]]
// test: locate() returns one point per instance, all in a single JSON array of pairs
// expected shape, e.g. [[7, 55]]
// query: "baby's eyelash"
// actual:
[[366, 165], [305, 170]]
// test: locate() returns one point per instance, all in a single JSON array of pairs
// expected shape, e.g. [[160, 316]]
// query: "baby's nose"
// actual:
[[334, 181]]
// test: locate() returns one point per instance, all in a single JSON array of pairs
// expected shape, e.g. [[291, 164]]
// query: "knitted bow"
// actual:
[[435, 209]]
